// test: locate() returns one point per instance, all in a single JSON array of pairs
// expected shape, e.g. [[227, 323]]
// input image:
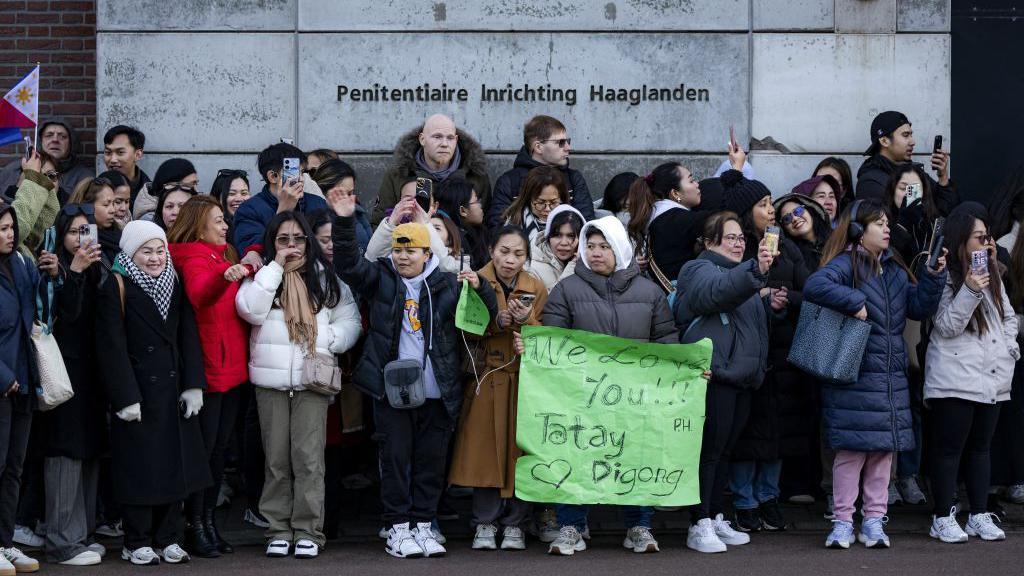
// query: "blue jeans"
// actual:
[[576, 515], [753, 482]]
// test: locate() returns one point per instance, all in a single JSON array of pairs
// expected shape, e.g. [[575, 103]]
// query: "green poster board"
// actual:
[[605, 420]]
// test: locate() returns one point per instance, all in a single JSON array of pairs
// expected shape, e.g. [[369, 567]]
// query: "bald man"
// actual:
[[437, 150]]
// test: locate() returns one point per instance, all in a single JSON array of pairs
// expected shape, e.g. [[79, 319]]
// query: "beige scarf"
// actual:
[[298, 314]]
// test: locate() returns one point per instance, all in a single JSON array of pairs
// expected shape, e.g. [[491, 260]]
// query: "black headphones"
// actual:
[[855, 231]]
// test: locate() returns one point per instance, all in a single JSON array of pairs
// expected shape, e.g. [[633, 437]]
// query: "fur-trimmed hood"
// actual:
[[474, 161]]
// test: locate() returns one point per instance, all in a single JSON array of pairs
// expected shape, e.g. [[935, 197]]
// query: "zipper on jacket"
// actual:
[[888, 365], [611, 302]]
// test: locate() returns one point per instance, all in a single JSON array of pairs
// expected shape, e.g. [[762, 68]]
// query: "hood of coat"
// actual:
[[474, 161], [415, 284], [555, 212], [73, 144], [616, 236]]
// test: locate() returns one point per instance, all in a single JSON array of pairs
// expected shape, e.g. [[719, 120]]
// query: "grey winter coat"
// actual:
[[719, 299], [625, 305]]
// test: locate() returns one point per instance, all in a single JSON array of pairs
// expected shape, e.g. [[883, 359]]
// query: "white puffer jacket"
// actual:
[[275, 361]]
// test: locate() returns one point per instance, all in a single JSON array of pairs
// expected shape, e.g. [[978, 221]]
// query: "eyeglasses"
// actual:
[[232, 173], [52, 175], [285, 240], [797, 212], [548, 204], [562, 142], [186, 188], [734, 239], [73, 210], [984, 238]]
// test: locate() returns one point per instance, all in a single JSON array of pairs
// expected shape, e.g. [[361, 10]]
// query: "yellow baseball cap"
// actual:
[[410, 235]]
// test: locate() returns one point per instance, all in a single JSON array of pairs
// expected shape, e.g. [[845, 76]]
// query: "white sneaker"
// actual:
[[702, 537], [725, 532], [401, 543], [484, 538], [144, 556], [639, 540], [569, 542], [21, 562], [175, 554], [278, 548], [546, 527], [6, 568], [438, 535], [305, 549], [26, 537], [980, 525], [255, 518], [947, 529], [83, 558], [111, 530], [425, 537], [512, 538], [98, 548]]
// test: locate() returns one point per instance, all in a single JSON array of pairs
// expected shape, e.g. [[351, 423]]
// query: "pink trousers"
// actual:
[[847, 473]]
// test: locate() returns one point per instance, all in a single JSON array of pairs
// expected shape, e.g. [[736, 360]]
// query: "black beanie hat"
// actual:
[[741, 195], [172, 170]]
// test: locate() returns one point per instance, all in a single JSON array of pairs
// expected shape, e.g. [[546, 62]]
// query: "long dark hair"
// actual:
[[5, 259], [868, 211], [958, 229], [321, 295], [222, 186], [616, 192], [927, 195], [536, 181], [644, 192]]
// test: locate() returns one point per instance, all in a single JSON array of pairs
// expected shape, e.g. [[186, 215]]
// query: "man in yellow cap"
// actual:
[[412, 304]]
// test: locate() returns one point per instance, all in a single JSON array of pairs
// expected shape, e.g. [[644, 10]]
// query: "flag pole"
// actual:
[[35, 136]]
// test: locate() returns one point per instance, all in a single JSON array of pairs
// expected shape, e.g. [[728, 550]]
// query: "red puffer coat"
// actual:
[[223, 335]]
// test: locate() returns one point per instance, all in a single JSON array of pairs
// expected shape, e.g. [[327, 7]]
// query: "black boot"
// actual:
[[197, 539], [210, 523]]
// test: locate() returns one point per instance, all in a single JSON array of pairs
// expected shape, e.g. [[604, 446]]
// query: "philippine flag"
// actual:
[[20, 108]]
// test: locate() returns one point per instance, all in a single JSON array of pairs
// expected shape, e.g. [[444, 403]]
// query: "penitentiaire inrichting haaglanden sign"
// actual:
[[605, 420]]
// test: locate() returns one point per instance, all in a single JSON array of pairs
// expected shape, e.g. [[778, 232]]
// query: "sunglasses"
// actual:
[[73, 210], [984, 238], [233, 173], [561, 142], [797, 212], [172, 186], [285, 240]]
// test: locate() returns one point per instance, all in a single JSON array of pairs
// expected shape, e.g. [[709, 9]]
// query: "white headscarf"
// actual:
[[615, 233]]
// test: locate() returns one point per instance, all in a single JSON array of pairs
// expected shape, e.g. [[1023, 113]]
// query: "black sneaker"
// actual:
[[771, 516], [748, 520]]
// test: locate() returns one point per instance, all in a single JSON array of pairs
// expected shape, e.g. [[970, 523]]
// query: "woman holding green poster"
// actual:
[[608, 295], [485, 444]]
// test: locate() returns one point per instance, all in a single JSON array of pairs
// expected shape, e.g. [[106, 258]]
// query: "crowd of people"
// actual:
[[288, 328]]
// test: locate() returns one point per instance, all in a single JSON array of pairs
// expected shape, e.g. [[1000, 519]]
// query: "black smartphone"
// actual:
[[424, 192], [938, 143], [935, 246]]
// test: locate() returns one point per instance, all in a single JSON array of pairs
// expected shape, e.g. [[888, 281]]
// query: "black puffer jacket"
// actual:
[[508, 185], [381, 286]]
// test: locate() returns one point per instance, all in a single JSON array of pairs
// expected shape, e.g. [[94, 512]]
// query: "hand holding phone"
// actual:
[[424, 193], [940, 161]]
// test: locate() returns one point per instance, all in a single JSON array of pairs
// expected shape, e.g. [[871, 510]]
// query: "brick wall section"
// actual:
[[61, 36]]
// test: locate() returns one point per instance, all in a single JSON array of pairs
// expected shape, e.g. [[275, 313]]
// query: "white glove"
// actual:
[[131, 413], [193, 399]]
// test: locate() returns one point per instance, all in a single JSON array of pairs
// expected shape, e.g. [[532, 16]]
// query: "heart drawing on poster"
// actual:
[[554, 473]]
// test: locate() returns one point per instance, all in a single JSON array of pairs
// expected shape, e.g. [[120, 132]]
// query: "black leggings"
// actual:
[[726, 411], [217, 421], [961, 427]]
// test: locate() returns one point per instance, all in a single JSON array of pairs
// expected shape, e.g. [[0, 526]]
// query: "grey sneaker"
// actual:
[[144, 556], [569, 542], [639, 540], [1015, 493], [910, 490], [894, 494], [484, 538], [174, 554]]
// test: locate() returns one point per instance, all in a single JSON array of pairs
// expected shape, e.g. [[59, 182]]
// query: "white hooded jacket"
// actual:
[[615, 234]]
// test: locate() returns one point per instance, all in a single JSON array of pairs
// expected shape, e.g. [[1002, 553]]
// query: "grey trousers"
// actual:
[[490, 508], [294, 430], [71, 488]]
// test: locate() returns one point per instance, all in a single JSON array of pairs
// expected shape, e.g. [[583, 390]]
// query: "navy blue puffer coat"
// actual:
[[873, 414]]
